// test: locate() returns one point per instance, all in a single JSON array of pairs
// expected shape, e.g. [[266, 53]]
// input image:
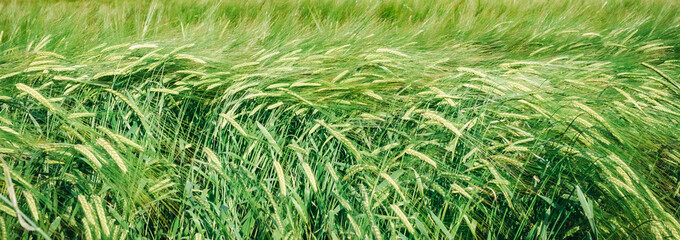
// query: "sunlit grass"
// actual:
[[340, 119]]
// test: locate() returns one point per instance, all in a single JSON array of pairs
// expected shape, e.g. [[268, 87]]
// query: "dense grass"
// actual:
[[340, 119]]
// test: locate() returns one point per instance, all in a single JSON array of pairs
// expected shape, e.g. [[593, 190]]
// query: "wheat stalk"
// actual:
[[301, 212], [36, 95], [143, 45], [310, 175], [435, 117], [421, 156], [305, 84], [256, 109], [8, 210], [9, 130], [191, 58], [112, 152], [513, 115], [71, 89], [247, 64], [392, 51], [485, 89], [127, 101], [356, 228], [101, 214], [332, 172], [108, 133], [269, 137], [403, 218], [87, 209], [80, 115], [668, 78], [343, 202], [513, 148], [85, 151], [31, 205], [6, 121], [340, 76], [341, 138], [354, 169], [471, 71], [394, 185], [371, 116], [294, 146], [297, 96], [583, 122], [164, 90], [367, 207], [372, 94], [88, 232], [123, 235], [281, 177], [212, 157], [161, 185], [459, 189], [3, 228], [589, 111], [9, 75], [235, 124], [129, 142], [116, 230]]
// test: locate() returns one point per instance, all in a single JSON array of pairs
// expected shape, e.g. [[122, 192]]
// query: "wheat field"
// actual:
[[334, 119]]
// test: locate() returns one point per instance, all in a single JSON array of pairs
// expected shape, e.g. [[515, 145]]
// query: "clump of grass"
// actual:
[[330, 120]]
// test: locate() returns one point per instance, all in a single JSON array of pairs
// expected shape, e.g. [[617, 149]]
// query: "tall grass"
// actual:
[[340, 119]]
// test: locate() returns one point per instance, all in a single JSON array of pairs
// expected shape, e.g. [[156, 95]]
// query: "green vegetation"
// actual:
[[335, 119]]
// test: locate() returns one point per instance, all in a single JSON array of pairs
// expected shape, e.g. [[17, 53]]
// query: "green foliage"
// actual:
[[340, 119]]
